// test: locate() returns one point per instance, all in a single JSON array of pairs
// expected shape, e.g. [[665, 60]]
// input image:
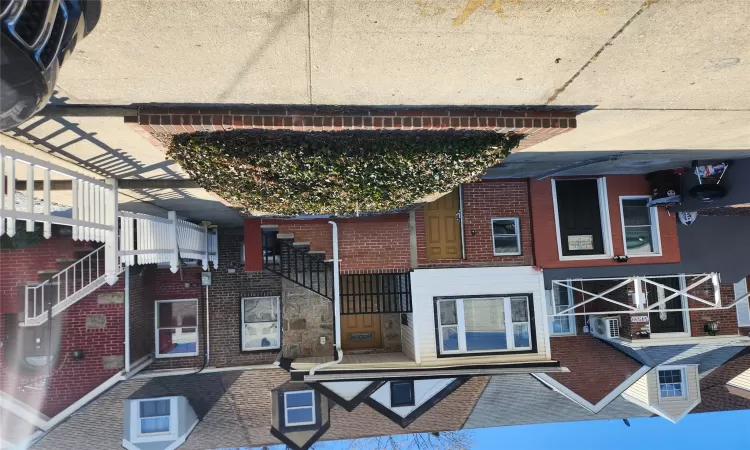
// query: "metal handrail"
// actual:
[[300, 267]]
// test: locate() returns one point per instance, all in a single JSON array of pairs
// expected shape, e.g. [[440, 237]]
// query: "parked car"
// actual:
[[35, 38]]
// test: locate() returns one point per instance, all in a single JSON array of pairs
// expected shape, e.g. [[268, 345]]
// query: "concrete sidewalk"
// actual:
[[661, 81]]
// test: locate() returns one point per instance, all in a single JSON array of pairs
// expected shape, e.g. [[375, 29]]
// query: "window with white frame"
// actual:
[[506, 237], [483, 324], [260, 323], [672, 383], [640, 226], [154, 416], [561, 300], [299, 408], [176, 328]]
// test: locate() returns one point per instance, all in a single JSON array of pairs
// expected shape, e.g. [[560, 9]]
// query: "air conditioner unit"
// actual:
[[605, 327]]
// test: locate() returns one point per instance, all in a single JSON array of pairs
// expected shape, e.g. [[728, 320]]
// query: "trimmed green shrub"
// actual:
[[335, 173]]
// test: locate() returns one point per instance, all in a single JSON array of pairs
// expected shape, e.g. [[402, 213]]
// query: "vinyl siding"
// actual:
[[639, 389], [407, 338], [741, 381], [491, 281]]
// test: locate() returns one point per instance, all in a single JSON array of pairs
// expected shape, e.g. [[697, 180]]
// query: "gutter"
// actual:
[[336, 304], [127, 318]]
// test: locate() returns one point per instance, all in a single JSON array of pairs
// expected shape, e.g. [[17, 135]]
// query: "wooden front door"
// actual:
[[443, 227], [579, 217], [665, 322], [361, 331]]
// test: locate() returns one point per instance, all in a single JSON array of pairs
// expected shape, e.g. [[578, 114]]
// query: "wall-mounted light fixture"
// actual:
[[78, 355], [711, 327]]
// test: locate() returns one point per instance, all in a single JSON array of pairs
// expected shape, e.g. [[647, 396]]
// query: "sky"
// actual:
[[728, 430]]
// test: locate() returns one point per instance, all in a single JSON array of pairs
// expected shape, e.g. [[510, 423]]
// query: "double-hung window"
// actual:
[[153, 420], [299, 408], [672, 383], [154, 416], [561, 300], [176, 328], [506, 237], [484, 324], [260, 323], [640, 226]]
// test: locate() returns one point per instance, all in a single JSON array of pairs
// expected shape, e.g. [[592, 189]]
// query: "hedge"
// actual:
[[335, 173]]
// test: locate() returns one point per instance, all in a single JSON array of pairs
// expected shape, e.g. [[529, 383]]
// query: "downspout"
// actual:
[[336, 305], [208, 334], [127, 318]]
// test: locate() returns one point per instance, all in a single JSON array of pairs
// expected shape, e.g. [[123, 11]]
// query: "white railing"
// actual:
[[65, 288], [156, 240], [628, 295], [90, 217], [94, 217]]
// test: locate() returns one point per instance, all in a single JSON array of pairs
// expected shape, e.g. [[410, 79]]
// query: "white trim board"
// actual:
[[660, 412], [595, 408], [742, 308]]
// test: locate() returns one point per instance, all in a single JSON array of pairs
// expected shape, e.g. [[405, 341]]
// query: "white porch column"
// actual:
[[638, 293], [2, 192], [110, 240], [10, 230], [174, 256], [205, 245], [717, 288]]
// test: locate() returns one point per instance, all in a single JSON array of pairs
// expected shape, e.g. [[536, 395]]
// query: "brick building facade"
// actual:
[[482, 202]]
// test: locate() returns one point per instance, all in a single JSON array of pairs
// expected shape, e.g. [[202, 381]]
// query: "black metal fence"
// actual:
[[376, 293]]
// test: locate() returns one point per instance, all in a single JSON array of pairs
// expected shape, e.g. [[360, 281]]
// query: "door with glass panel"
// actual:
[[561, 300], [484, 324]]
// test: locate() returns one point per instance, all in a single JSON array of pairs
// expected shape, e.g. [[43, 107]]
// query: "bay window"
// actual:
[[484, 324]]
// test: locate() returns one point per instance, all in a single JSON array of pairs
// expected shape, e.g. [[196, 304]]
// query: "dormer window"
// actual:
[[402, 393], [299, 408], [154, 417], [672, 383]]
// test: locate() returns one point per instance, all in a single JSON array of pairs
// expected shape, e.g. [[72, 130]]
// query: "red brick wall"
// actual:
[[727, 318], [545, 236], [377, 243], [483, 201], [72, 379], [596, 369], [229, 284], [537, 126]]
